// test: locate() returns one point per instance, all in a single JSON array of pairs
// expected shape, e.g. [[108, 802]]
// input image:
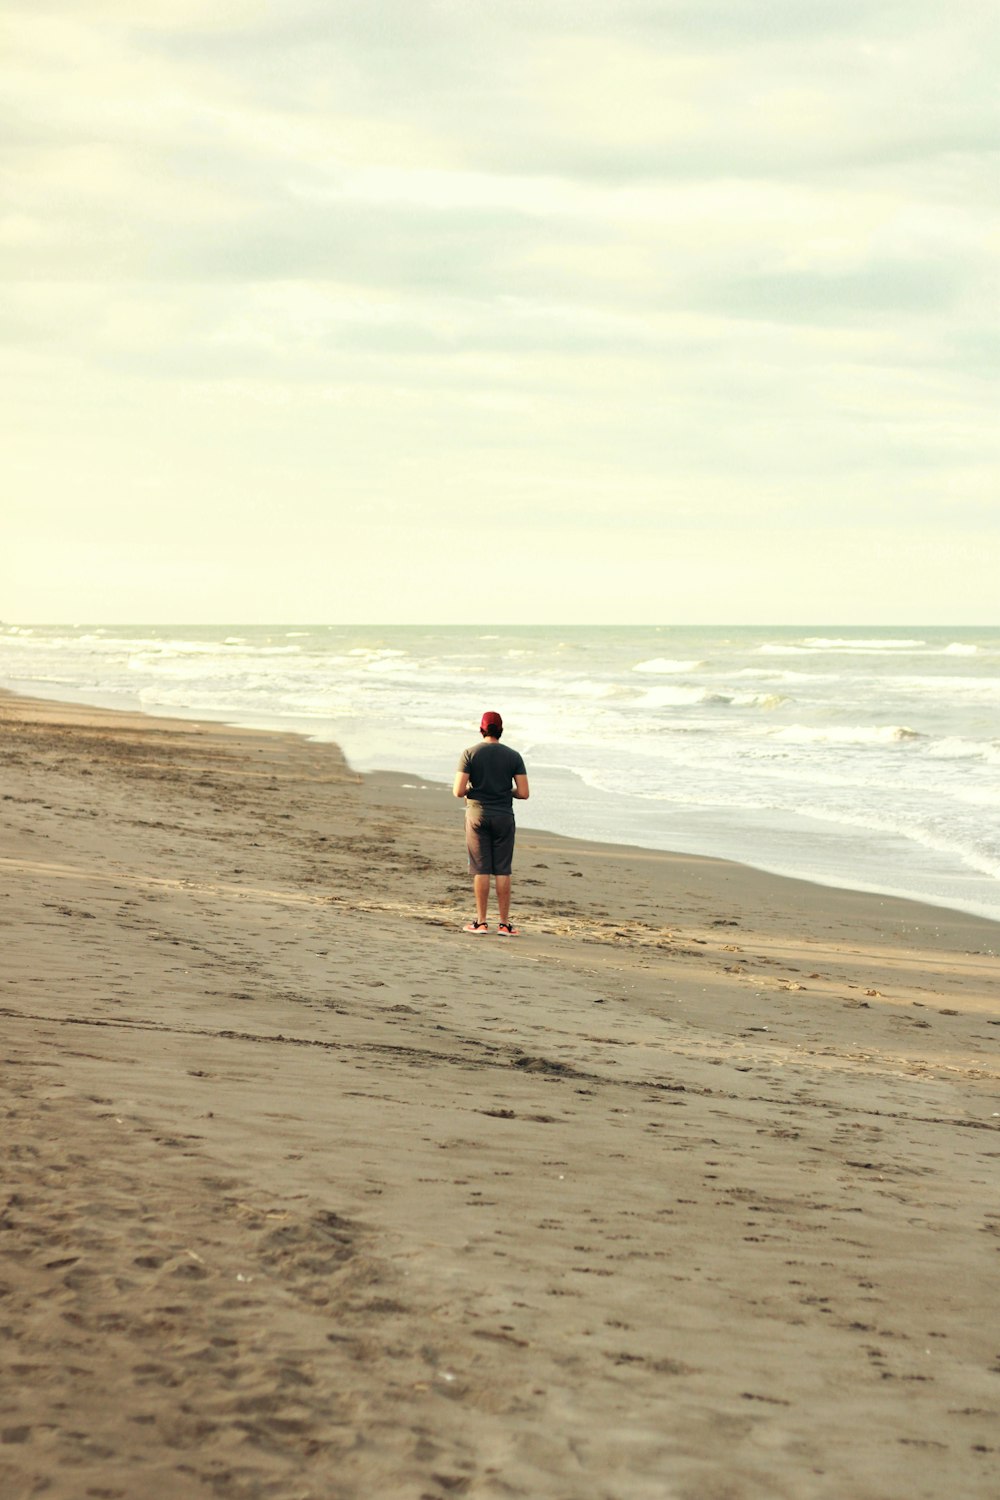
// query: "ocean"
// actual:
[[864, 758]]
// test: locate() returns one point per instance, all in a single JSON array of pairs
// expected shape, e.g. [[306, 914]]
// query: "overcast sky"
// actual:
[[444, 310]]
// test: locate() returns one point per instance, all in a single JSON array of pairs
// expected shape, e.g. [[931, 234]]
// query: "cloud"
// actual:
[[622, 264], [837, 297], [623, 92]]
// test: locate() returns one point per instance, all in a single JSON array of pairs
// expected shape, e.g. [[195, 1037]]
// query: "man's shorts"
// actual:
[[489, 837]]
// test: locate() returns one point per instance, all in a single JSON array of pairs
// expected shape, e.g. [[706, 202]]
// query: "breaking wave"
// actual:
[[663, 666], [846, 734], [955, 748], [690, 697], [835, 646]]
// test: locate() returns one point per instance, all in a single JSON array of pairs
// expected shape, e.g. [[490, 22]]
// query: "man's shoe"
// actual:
[[506, 930], [479, 927]]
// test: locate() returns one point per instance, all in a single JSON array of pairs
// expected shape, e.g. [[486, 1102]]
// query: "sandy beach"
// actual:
[[690, 1191]]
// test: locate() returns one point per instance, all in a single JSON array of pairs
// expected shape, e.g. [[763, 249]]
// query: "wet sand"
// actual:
[[690, 1191]]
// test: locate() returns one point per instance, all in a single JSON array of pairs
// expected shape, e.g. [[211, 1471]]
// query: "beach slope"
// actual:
[[690, 1191]]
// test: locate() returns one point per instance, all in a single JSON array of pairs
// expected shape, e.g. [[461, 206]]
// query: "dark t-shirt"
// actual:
[[491, 770]]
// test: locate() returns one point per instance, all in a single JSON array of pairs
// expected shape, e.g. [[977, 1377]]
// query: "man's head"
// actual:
[[491, 725]]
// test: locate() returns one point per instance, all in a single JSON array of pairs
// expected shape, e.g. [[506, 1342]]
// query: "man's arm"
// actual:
[[520, 792], [461, 783]]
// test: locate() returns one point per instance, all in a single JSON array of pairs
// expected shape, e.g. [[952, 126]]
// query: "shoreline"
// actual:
[[684, 1191], [850, 757], [403, 778]]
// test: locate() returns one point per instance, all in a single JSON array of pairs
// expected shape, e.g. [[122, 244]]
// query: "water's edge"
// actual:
[[528, 815]]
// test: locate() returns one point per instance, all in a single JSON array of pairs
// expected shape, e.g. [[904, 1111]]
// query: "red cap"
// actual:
[[491, 720]]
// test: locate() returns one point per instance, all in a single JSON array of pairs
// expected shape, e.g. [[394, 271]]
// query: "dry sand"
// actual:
[[690, 1191]]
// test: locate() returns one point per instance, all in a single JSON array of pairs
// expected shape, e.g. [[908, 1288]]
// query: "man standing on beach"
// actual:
[[491, 777]]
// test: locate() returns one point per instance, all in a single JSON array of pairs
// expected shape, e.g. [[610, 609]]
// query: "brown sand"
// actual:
[[691, 1191]]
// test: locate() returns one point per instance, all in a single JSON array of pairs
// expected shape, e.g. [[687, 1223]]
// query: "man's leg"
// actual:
[[503, 851], [477, 843]]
